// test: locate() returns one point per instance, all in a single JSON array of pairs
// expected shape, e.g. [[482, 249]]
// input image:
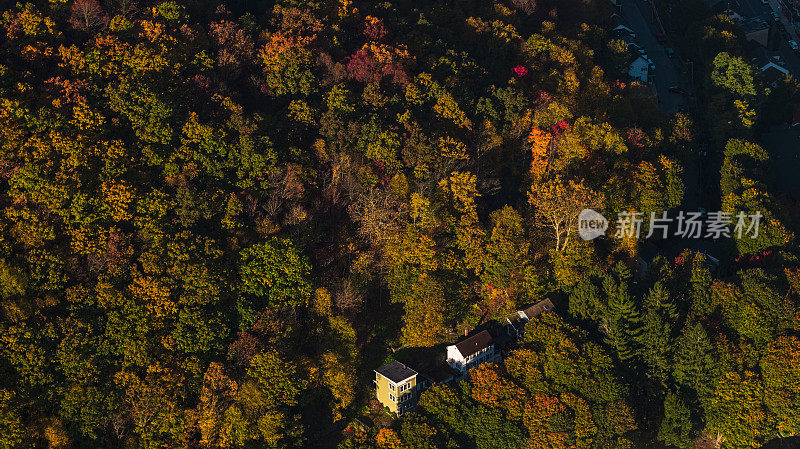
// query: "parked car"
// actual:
[[794, 45], [764, 2], [670, 51], [776, 17], [677, 90]]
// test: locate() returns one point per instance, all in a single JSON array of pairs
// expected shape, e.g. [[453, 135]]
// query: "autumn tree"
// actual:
[[87, 15], [558, 204]]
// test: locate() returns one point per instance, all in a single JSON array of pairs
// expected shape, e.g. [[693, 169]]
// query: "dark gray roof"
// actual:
[[538, 308], [475, 343], [396, 371], [762, 58], [754, 24], [720, 6]]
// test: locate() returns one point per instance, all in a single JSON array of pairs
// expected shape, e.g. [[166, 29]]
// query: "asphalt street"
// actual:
[[666, 73], [754, 8]]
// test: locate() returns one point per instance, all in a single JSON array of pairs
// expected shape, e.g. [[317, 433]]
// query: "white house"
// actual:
[[640, 68], [471, 352]]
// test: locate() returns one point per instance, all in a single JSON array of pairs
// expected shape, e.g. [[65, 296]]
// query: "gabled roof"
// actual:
[[635, 57], [521, 317], [396, 371], [722, 6], [775, 66], [616, 20], [473, 344], [753, 25], [537, 309], [622, 28], [765, 61], [621, 32]]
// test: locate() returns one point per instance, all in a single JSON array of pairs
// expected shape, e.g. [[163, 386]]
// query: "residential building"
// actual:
[[471, 352], [724, 7], [515, 326], [618, 28], [771, 66], [396, 386], [639, 68], [756, 30]]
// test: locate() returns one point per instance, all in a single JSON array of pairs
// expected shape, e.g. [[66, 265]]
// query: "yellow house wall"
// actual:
[[383, 391]]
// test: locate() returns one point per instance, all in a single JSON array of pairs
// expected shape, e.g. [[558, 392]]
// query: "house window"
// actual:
[[391, 397], [391, 387]]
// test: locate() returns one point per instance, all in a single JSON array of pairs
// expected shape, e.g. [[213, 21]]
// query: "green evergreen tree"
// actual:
[[623, 317], [700, 285], [584, 301], [676, 425], [695, 361], [657, 330]]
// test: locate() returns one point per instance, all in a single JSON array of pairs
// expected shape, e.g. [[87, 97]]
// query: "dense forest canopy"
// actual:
[[218, 219]]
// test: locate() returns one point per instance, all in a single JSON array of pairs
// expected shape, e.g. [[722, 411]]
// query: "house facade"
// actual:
[[471, 352], [396, 387], [639, 68]]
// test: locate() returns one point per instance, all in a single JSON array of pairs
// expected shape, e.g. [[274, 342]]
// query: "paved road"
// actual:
[[754, 8], [666, 73], [783, 146]]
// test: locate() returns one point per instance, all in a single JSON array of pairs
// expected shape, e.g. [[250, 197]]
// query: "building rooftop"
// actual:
[[753, 24], [396, 371], [768, 61], [722, 6], [537, 309], [473, 344]]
